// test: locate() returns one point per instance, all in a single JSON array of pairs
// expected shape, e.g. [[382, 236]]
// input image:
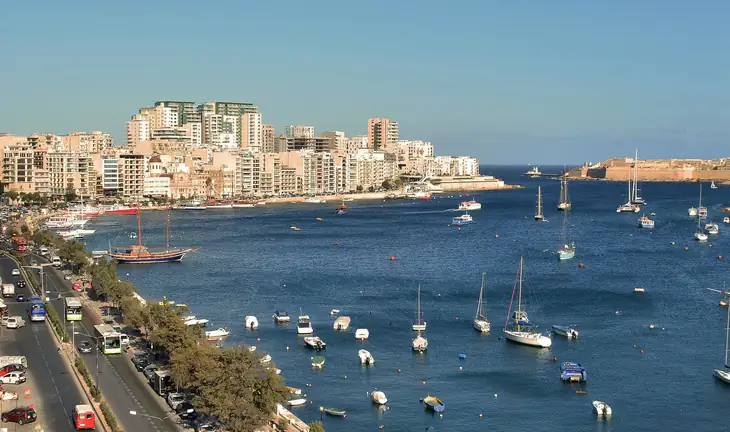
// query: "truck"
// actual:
[[8, 290], [6, 360]]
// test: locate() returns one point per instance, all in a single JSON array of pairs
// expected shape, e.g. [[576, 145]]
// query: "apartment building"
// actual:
[[268, 139], [457, 166], [132, 175], [138, 129], [369, 168], [338, 141], [316, 144], [110, 182], [185, 111], [291, 183], [383, 134], [235, 109], [300, 131], [270, 177], [194, 130], [157, 187], [358, 142], [89, 142], [17, 165], [252, 132], [71, 171], [221, 130]]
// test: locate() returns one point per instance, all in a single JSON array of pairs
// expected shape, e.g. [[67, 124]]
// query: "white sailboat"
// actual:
[[637, 199], [564, 204], [419, 324], [419, 343], [539, 216], [722, 374], [521, 330], [567, 250], [629, 207], [699, 235], [481, 322]]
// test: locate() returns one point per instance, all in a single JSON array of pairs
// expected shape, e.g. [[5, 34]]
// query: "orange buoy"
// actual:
[[686, 248], [719, 257], [392, 257], [458, 229], [398, 370], [581, 265], [258, 339]]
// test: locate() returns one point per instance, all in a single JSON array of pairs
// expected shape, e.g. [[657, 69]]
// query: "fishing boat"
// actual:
[[470, 205], [141, 254], [362, 334], [379, 398], [365, 357], [304, 325], [636, 199], [602, 409], [521, 330], [573, 372], [281, 317], [251, 322], [564, 204], [336, 412], [723, 374], [712, 229], [434, 403], [566, 331], [119, 209], [216, 335], [464, 219], [699, 235], [481, 322], [419, 324], [296, 402], [538, 215], [315, 342], [341, 323], [342, 209], [317, 362], [567, 250], [533, 172], [645, 222]]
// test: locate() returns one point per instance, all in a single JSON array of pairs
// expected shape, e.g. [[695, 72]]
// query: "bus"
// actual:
[[108, 340], [37, 310], [73, 309]]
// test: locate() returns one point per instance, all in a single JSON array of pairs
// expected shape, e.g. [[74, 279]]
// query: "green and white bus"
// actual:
[[109, 341], [73, 309]]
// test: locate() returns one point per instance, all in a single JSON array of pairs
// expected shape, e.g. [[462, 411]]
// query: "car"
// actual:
[[76, 287], [149, 370], [67, 277], [16, 272], [186, 411], [4, 320], [175, 399], [141, 361], [13, 367], [20, 415], [13, 378], [21, 284], [85, 347], [15, 322], [34, 263], [20, 298]]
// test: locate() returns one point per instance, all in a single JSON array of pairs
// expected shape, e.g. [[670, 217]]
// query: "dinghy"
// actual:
[[434, 403], [318, 362], [335, 412], [362, 334], [251, 322], [379, 398], [365, 357], [342, 323], [602, 409], [315, 342], [296, 402], [566, 331]]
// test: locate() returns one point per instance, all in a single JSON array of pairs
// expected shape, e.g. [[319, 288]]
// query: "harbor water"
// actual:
[[251, 262]]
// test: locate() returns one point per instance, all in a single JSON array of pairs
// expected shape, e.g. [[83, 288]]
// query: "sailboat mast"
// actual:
[[139, 224], [167, 224], [479, 305], [539, 200], [636, 174], [519, 295], [418, 307], [727, 334]]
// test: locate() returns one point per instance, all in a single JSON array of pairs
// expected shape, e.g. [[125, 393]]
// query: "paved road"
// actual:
[[122, 386], [54, 389]]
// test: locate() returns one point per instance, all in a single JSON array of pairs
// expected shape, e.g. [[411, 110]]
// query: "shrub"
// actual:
[[109, 416], [56, 322]]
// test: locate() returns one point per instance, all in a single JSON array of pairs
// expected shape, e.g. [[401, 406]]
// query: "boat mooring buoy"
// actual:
[[462, 356], [392, 257]]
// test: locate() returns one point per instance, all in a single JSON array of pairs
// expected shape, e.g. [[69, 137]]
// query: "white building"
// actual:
[[368, 168], [157, 187], [457, 165], [110, 175], [195, 131], [251, 132], [417, 148], [339, 140], [220, 130], [300, 131], [138, 129]]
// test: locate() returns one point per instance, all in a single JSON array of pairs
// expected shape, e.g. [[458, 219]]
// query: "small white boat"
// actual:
[[726, 220], [639, 290], [420, 344], [296, 402], [566, 331], [195, 321], [379, 398], [342, 323], [243, 205], [700, 236], [470, 205], [522, 331], [251, 322], [362, 334], [692, 211], [419, 324], [218, 334], [304, 325], [365, 357], [261, 203], [334, 311], [252, 348], [713, 185], [712, 229], [315, 200], [602, 409], [481, 322], [265, 359], [281, 317], [315, 342]]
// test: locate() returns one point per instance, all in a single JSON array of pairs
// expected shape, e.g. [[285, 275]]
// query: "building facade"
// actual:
[[383, 134]]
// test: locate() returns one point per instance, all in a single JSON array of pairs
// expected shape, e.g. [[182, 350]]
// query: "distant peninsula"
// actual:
[[657, 170]]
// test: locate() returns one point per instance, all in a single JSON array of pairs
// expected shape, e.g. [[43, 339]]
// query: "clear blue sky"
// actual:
[[507, 81]]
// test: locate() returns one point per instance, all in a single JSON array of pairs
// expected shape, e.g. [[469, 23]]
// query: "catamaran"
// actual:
[[564, 204], [629, 207], [539, 216], [521, 330], [419, 324], [724, 375], [481, 322], [637, 199], [567, 250]]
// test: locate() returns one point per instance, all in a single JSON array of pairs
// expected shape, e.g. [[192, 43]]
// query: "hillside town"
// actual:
[[219, 150]]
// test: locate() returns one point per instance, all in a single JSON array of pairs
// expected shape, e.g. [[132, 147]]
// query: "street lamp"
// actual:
[[161, 419], [96, 349]]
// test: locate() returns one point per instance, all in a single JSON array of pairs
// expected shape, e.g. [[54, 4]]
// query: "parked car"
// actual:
[[175, 399], [13, 378], [20, 298], [16, 272], [141, 361], [13, 367], [21, 284], [21, 415], [4, 320], [186, 411], [76, 287], [15, 322], [149, 370], [85, 347]]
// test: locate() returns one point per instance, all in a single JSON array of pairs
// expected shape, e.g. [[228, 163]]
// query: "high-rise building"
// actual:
[[300, 131], [110, 175], [220, 130], [236, 109], [131, 175], [138, 129], [71, 171], [268, 139], [17, 166], [383, 134], [369, 168], [251, 132], [185, 110], [339, 141]]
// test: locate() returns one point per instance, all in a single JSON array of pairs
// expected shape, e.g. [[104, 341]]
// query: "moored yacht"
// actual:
[[481, 322], [470, 205], [522, 331], [712, 229], [304, 324]]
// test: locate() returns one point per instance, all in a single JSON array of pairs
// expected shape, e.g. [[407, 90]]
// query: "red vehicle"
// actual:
[[21, 415], [77, 287], [20, 243], [84, 417], [11, 368]]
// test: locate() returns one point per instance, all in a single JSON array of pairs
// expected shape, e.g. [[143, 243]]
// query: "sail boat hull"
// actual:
[[722, 375], [566, 254], [150, 257], [482, 325], [528, 338]]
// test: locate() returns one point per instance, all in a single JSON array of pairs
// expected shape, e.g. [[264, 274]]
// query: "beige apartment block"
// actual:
[[299, 131], [368, 168], [457, 166], [383, 134], [291, 183], [252, 132], [268, 143], [131, 168], [17, 164], [71, 171], [89, 142], [270, 178], [338, 141]]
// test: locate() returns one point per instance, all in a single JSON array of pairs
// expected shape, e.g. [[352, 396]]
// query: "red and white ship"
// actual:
[[84, 210], [119, 209]]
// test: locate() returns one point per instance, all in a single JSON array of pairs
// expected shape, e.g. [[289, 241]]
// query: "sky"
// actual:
[[509, 82]]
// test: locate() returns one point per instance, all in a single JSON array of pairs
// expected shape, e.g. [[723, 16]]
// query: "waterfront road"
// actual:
[[121, 385], [54, 390]]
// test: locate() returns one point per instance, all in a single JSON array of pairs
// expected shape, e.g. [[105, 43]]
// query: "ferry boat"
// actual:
[[470, 205], [119, 209], [464, 219], [645, 222], [533, 172]]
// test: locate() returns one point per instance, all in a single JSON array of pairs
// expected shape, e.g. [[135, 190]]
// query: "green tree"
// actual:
[[169, 331], [316, 426], [43, 237], [73, 252], [387, 185], [12, 195], [359, 188], [24, 229], [136, 315], [70, 195]]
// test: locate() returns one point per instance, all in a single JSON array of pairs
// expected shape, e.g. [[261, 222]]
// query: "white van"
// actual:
[[15, 322], [56, 261], [44, 251]]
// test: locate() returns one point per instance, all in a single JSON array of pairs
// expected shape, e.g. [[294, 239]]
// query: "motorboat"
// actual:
[[304, 325], [522, 331], [252, 322], [434, 403], [336, 412], [281, 317], [712, 229], [196, 321], [470, 205], [342, 323], [243, 204], [420, 343], [464, 219], [726, 220], [639, 290], [334, 312], [192, 206], [379, 398], [602, 409], [366, 358], [295, 228], [296, 402], [566, 331], [216, 335], [566, 252], [315, 200], [573, 372], [315, 342], [260, 203], [265, 359], [481, 323], [645, 222], [362, 334], [533, 172], [692, 211], [700, 236], [317, 362]]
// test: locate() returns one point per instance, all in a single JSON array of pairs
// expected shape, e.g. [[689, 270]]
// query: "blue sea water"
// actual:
[[251, 263]]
